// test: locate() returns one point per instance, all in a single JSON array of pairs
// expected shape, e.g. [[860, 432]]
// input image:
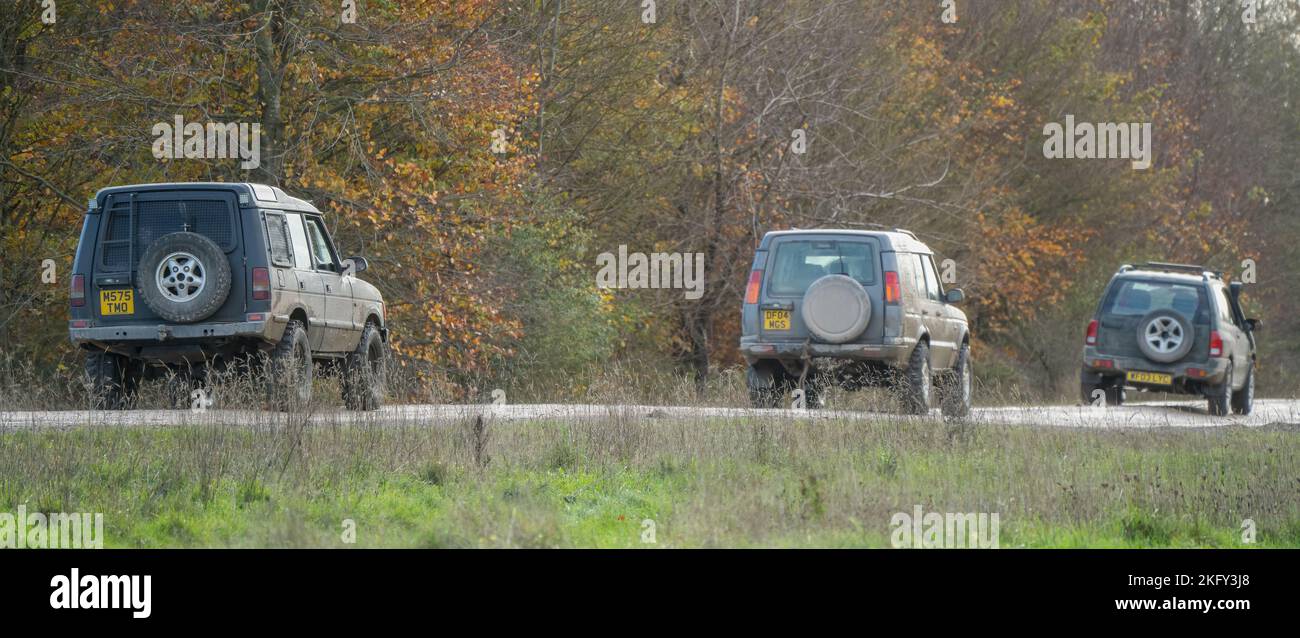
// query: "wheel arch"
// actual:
[[375, 313], [299, 314]]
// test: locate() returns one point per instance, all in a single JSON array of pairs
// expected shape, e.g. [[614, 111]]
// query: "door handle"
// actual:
[[301, 285], [328, 289]]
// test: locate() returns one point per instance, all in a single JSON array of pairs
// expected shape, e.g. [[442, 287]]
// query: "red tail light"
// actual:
[[261, 283], [1091, 339], [78, 294], [755, 282], [1216, 344], [893, 292]]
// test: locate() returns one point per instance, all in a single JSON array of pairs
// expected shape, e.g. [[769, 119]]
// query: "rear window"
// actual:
[[799, 263], [212, 218], [1136, 297]]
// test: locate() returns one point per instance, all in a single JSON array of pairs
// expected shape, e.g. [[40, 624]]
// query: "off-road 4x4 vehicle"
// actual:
[[177, 280], [855, 308], [1171, 328]]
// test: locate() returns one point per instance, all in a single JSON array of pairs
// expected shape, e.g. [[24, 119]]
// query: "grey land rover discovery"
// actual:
[[855, 308], [180, 280]]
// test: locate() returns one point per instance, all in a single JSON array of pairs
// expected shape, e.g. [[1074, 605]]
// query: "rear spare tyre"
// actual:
[[1165, 336], [836, 309], [184, 277]]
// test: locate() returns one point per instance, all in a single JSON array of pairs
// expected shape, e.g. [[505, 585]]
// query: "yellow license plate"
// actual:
[[117, 302], [776, 319], [1152, 378]]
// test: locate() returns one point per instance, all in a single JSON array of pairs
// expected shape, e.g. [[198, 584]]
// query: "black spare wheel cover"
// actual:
[[184, 277]]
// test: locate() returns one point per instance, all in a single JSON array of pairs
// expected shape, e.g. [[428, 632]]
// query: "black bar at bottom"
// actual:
[[333, 587]]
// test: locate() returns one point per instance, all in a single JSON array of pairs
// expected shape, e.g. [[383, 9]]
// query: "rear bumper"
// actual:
[[894, 351], [148, 335], [1214, 369]]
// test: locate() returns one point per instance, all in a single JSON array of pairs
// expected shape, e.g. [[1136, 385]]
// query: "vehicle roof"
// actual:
[[899, 240], [282, 200], [1156, 274]]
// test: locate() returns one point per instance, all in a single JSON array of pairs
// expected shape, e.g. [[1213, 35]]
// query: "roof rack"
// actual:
[[906, 232], [1190, 269], [1187, 268]]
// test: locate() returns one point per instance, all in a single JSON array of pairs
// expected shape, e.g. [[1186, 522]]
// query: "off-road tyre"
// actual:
[[918, 382], [1243, 400], [110, 380], [289, 370], [766, 384], [957, 387], [1220, 397], [364, 378]]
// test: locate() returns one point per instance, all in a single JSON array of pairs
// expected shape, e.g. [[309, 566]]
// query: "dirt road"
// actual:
[[1164, 414]]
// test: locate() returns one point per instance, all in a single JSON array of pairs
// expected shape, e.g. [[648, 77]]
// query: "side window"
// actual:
[[908, 274], [298, 237], [918, 275], [277, 235], [931, 279], [320, 247], [1225, 307]]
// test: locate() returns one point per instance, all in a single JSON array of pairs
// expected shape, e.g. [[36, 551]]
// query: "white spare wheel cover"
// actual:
[[836, 309]]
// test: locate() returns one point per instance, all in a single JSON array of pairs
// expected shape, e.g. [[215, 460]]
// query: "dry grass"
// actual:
[[708, 482], [266, 479]]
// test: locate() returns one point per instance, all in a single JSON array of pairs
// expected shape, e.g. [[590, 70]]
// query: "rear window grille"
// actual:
[[278, 234], [210, 218], [115, 255]]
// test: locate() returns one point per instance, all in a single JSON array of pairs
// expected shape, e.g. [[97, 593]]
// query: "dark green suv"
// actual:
[[178, 280], [1171, 328]]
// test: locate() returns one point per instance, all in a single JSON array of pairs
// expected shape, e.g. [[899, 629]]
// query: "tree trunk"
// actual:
[[270, 74]]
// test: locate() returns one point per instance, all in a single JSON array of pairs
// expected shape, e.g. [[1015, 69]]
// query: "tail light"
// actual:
[[893, 292], [1216, 344], [261, 283], [1091, 339], [755, 282], [78, 294]]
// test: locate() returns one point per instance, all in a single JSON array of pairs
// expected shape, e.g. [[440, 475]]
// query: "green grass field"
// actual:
[[706, 483]]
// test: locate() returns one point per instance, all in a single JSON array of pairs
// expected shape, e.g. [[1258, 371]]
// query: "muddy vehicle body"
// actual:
[[857, 309], [1170, 328], [180, 280]]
